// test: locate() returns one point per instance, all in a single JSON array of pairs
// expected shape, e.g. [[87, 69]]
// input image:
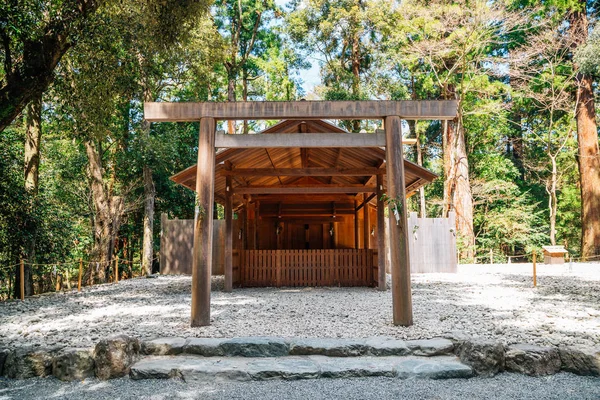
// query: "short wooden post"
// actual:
[[228, 231], [80, 275], [400, 259], [534, 270], [117, 269], [203, 225], [58, 279], [381, 254], [22, 279]]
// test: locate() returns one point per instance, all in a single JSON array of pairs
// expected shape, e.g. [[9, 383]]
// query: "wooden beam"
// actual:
[[303, 189], [302, 140], [400, 260], [367, 199], [381, 253], [259, 110], [313, 171], [203, 226], [228, 231], [305, 198]]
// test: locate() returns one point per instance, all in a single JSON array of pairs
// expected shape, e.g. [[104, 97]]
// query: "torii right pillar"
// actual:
[[399, 254]]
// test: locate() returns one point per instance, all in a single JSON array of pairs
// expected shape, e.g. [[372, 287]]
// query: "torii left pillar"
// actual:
[[203, 224]]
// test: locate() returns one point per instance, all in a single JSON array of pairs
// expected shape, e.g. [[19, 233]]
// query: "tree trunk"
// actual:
[[552, 201], [587, 141], [33, 137], [412, 125], [245, 95], [356, 76], [108, 212], [149, 196], [231, 78], [148, 242], [457, 187]]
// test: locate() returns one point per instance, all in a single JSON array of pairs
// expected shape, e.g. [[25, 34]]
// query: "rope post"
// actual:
[[534, 270], [117, 269], [80, 275], [22, 279], [58, 276]]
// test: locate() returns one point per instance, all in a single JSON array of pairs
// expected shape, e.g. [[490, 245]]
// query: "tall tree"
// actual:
[[243, 24], [587, 136], [340, 34]]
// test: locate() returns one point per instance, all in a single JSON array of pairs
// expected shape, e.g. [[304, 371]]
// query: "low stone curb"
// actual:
[[113, 357], [211, 369]]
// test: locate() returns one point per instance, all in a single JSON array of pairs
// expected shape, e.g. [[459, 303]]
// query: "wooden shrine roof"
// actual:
[[317, 174]]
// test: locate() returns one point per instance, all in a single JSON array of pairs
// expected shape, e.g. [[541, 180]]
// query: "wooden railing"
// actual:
[[340, 267]]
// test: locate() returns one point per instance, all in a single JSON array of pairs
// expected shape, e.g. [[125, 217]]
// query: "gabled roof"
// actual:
[[298, 158]]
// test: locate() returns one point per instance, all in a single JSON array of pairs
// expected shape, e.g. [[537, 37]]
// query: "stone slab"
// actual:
[[580, 360], [164, 346], [255, 347], [328, 347], [533, 360], [211, 369], [73, 364], [207, 347], [431, 347], [352, 367], [384, 346], [24, 363], [432, 368]]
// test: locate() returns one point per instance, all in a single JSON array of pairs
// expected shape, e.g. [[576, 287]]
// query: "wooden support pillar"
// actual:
[[163, 242], [366, 223], [356, 233], [381, 256], [203, 224], [228, 231], [400, 261], [246, 225], [256, 223]]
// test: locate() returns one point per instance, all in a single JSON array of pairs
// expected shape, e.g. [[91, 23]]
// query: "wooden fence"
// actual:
[[432, 244], [339, 267]]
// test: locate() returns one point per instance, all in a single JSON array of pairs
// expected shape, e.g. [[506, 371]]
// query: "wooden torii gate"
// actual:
[[390, 111]]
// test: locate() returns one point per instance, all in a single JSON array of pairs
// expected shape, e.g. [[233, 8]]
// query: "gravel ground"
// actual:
[[495, 302], [506, 386]]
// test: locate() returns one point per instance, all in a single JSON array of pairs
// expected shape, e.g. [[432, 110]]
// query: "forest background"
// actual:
[[83, 176]]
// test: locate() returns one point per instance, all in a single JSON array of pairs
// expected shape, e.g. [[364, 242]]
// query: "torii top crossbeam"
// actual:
[[258, 110]]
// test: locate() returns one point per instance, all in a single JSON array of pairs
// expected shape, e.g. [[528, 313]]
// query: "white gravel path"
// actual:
[[496, 302]]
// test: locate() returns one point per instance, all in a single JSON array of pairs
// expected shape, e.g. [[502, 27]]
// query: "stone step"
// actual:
[[278, 347], [211, 369]]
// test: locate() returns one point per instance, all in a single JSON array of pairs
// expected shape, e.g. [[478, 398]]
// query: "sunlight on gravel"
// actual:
[[494, 301]]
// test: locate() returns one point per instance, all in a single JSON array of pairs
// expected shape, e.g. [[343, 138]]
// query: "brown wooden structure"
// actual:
[[301, 189]]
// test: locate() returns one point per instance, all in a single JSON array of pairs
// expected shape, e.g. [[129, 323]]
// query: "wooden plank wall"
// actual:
[[177, 242], [341, 267], [432, 244]]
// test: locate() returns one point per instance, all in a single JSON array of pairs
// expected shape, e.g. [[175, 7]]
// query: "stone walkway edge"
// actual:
[[247, 358]]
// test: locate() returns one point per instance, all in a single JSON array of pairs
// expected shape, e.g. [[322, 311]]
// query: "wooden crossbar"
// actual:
[[260, 110]]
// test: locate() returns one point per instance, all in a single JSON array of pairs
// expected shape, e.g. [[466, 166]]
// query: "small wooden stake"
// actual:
[[117, 269], [534, 271], [58, 276], [22, 279], [80, 274]]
